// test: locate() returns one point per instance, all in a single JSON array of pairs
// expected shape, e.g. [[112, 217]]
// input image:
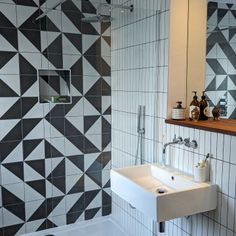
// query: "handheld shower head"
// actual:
[[98, 18]]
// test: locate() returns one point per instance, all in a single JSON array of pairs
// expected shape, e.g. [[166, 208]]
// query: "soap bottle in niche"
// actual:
[[204, 110], [194, 105]]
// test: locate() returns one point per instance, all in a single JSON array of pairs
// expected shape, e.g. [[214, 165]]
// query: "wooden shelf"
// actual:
[[221, 126]]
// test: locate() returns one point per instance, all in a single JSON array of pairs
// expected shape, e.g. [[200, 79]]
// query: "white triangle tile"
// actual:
[[97, 27], [56, 162], [60, 209], [44, 40], [33, 58], [6, 126], [106, 103], [31, 207], [213, 19], [107, 59], [213, 52], [230, 110], [74, 91], [68, 47], [220, 53], [9, 217], [89, 184], [107, 79], [35, 112], [88, 69], [107, 33], [9, 11], [88, 41], [24, 44], [89, 159], [107, 118], [209, 70], [23, 13], [70, 60], [89, 109], [16, 189], [96, 128], [32, 226], [56, 192], [107, 148], [10, 68], [230, 69], [58, 220], [212, 96], [48, 166], [77, 122], [32, 91], [37, 153], [52, 191], [225, 20], [77, 109], [58, 143], [13, 81], [16, 155], [96, 202], [36, 132], [56, 18], [46, 64], [71, 199], [231, 100], [6, 104], [30, 174], [72, 169], [231, 85], [31, 194], [5, 45], [68, 26], [71, 180], [8, 177], [219, 80], [95, 139], [105, 48], [88, 82], [71, 149], [208, 80], [105, 176]]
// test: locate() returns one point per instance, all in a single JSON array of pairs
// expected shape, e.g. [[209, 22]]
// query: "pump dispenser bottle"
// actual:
[[194, 105], [203, 108]]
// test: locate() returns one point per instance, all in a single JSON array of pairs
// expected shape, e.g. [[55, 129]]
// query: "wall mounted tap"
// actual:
[[190, 144]]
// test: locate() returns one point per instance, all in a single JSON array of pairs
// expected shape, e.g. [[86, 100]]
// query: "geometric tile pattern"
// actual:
[[54, 159], [221, 56]]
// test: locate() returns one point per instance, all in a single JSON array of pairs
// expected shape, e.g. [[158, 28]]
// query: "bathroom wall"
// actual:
[[55, 159], [130, 87], [221, 57]]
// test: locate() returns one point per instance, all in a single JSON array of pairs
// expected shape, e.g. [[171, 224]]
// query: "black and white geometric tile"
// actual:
[[221, 56], [54, 159]]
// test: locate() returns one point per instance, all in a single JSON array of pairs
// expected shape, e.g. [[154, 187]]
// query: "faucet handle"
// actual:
[[177, 140]]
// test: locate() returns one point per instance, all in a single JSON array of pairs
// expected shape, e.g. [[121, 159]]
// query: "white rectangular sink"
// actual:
[[143, 187]]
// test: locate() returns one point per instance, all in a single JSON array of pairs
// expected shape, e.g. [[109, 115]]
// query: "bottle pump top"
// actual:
[[195, 95], [203, 95], [179, 106]]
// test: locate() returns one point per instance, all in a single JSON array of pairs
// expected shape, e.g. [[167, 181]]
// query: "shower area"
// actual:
[[66, 67]]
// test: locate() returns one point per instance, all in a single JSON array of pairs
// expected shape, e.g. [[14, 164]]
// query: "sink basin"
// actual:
[[162, 193]]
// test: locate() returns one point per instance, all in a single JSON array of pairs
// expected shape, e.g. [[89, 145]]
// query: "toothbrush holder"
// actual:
[[200, 173]]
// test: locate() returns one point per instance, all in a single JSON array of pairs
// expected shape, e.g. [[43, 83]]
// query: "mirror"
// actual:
[[220, 80], [54, 86]]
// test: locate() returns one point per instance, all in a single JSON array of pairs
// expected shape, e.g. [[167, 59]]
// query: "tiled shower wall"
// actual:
[[55, 159], [133, 85]]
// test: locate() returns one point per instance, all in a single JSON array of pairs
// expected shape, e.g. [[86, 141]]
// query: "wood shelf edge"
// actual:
[[222, 126]]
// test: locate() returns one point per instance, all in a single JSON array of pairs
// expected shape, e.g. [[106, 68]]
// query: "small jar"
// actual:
[[178, 113]]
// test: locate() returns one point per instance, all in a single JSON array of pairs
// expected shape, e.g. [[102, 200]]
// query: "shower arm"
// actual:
[[50, 9]]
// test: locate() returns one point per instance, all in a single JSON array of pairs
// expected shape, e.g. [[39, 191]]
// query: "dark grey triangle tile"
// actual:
[[105, 26], [87, 28], [89, 122], [223, 86], [96, 89], [77, 188], [107, 39], [69, 107], [10, 35], [26, 69], [106, 139], [229, 52], [96, 166], [106, 198], [5, 57], [216, 67], [11, 230], [40, 212], [106, 88], [8, 198], [6, 91], [15, 133], [71, 130], [14, 112], [233, 94], [33, 36], [26, 81], [91, 213], [74, 17], [233, 78], [108, 111], [221, 13], [6, 148], [50, 151], [38, 166], [89, 196], [88, 7], [108, 184], [29, 124], [4, 22], [106, 210], [55, 47], [47, 224], [18, 210], [73, 217], [96, 102], [94, 49], [105, 68], [59, 171], [30, 23], [78, 141], [39, 186], [27, 104], [47, 25], [52, 203], [96, 177], [69, 6], [76, 40], [89, 147], [58, 123], [26, 3], [78, 161], [55, 59], [15, 168], [106, 126], [59, 183], [77, 67], [77, 82]]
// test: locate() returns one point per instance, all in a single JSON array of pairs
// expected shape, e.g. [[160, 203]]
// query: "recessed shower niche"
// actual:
[[54, 86]]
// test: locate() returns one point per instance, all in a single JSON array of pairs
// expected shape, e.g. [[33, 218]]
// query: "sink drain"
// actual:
[[161, 190], [49, 235]]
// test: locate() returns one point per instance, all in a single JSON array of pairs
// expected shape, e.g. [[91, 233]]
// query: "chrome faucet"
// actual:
[[187, 143], [178, 140]]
